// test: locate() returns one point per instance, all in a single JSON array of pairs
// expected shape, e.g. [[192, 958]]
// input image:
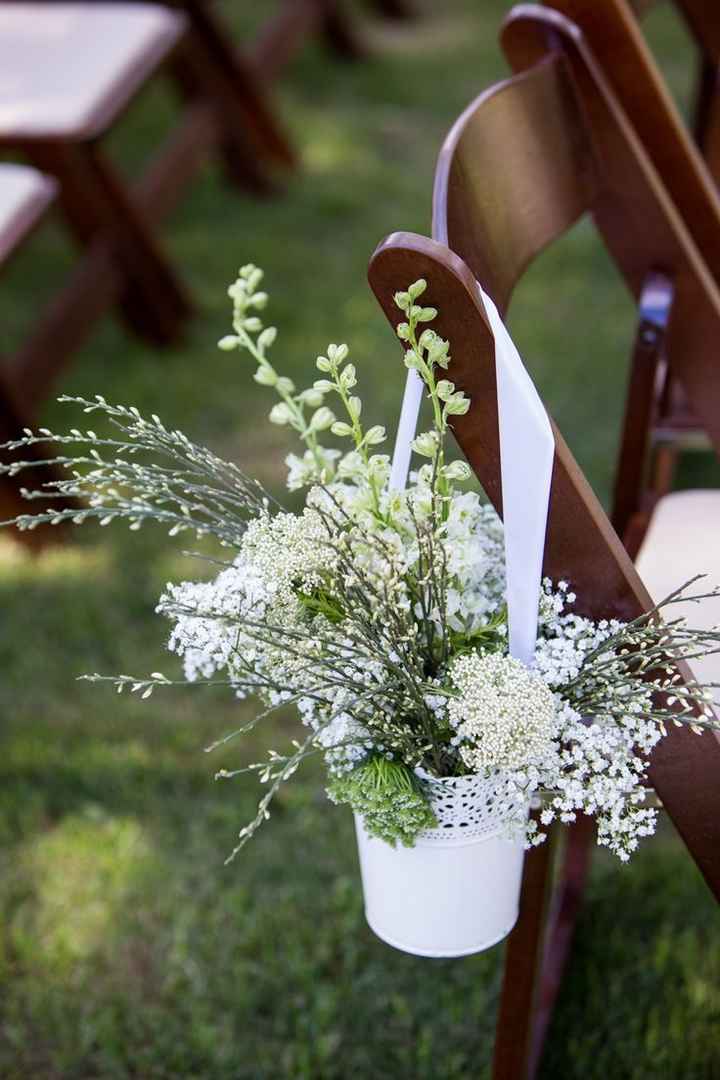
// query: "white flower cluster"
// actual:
[[206, 618], [382, 615], [503, 714], [293, 553]]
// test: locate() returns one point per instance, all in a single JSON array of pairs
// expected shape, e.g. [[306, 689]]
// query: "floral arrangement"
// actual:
[[380, 614]]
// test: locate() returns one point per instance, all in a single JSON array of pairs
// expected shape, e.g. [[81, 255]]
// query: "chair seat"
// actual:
[[24, 196], [66, 70], [683, 540]]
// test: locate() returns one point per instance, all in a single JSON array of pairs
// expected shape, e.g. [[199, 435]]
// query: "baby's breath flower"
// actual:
[[504, 715]]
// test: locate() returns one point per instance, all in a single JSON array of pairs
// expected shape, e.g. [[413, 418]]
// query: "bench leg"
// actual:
[[97, 205]]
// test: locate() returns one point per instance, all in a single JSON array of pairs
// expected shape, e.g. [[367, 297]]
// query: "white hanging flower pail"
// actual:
[[457, 890]]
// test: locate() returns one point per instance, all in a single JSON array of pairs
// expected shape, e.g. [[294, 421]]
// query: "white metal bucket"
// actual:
[[457, 890]]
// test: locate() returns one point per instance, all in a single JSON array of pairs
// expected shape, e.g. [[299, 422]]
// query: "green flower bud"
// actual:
[[340, 428], [426, 444], [457, 405], [375, 435], [337, 353], [417, 288], [322, 419], [457, 470], [312, 397], [280, 414], [445, 389], [347, 377], [267, 338], [230, 341], [265, 375]]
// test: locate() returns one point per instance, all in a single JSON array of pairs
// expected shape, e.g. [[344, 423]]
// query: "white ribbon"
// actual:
[[527, 449]]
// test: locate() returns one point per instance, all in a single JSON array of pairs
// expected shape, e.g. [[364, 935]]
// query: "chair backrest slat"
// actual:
[[515, 172], [612, 32], [636, 217]]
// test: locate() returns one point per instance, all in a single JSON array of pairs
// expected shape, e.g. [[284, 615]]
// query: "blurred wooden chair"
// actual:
[[239, 82], [294, 21], [521, 165], [701, 19], [25, 196], [612, 31], [659, 424], [68, 71]]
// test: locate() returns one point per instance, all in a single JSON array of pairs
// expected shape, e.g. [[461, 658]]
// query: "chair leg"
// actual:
[[12, 503], [523, 965], [537, 951], [707, 115], [339, 32], [97, 205], [711, 141], [641, 408], [250, 138], [198, 80], [394, 9]]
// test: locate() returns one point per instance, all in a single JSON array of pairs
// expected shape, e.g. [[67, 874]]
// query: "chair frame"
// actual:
[[702, 22], [608, 173], [13, 416], [612, 31]]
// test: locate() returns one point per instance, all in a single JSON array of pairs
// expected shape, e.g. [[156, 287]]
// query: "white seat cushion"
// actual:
[[24, 195], [67, 69], [684, 540]]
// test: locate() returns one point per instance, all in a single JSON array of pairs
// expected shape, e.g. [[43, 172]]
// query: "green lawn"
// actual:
[[126, 948]]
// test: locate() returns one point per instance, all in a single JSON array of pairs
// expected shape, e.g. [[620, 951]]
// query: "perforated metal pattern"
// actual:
[[466, 806]]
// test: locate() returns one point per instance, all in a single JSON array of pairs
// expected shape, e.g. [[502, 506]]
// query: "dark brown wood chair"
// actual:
[[286, 31], [521, 165], [296, 20], [701, 19], [612, 31], [25, 196], [67, 74]]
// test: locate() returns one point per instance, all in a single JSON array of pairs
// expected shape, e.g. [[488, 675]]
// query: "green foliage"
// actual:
[[389, 799]]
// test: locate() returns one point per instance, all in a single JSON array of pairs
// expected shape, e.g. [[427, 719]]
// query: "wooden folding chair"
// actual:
[[612, 31], [25, 196], [520, 166], [67, 73], [701, 18]]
